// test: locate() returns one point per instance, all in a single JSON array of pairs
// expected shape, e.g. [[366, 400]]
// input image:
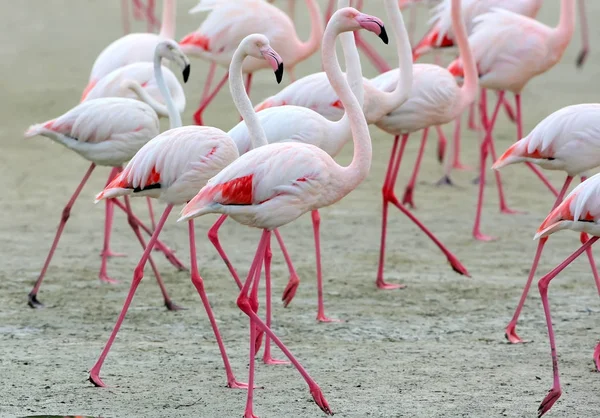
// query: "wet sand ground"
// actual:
[[433, 349]]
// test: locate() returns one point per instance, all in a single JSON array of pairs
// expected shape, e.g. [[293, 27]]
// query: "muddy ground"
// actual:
[[433, 349]]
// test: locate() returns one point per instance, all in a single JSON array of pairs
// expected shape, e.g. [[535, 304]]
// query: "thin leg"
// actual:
[[213, 236], [316, 221], [169, 254], [555, 392], [407, 199], [456, 163], [172, 306], [108, 220], [472, 117], [138, 13], [442, 144], [199, 284], [510, 333], [329, 10], [137, 278], [125, 16], [585, 39], [294, 281], [204, 103], [584, 237], [501, 198], [250, 396], [33, 301], [151, 213], [267, 358], [209, 79], [450, 156], [244, 303], [510, 113]]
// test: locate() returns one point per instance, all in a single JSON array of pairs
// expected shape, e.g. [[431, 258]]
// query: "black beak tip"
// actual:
[[186, 73], [383, 35], [279, 73]]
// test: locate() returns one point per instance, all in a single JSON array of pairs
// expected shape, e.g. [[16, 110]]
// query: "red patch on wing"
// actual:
[[88, 88], [144, 84], [197, 40], [338, 104], [237, 191], [430, 40], [212, 151], [154, 177]]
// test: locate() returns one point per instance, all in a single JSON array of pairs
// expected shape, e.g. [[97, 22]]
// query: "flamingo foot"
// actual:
[[460, 166], [104, 278], [109, 253], [234, 384], [457, 266], [322, 318], [388, 286], [172, 306], [481, 237], [175, 261], [445, 181], [549, 400], [317, 395], [508, 211], [407, 199], [290, 291], [270, 360], [597, 357], [511, 334], [249, 414], [441, 151], [95, 379], [33, 301]]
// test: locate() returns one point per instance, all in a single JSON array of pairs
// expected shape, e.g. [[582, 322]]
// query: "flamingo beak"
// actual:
[[186, 73], [373, 24], [274, 60]]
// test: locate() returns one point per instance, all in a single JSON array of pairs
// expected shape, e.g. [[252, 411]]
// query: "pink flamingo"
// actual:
[[435, 99], [579, 212], [300, 124], [511, 49], [230, 21], [107, 132], [173, 166], [567, 140], [275, 184]]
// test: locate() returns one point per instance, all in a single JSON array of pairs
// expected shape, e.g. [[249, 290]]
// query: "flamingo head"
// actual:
[[349, 19], [170, 50], [258, 46]]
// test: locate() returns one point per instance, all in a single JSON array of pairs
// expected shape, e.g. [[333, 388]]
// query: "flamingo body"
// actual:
[[106, 131], [176, 164]]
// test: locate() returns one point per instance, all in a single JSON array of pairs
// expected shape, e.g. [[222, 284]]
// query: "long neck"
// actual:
[[358, 169], [174, 116], [242, 101], [392, 100], [469, 87], [566, 25], [306, 49], [160, 109], [167, 30], [352, 60]]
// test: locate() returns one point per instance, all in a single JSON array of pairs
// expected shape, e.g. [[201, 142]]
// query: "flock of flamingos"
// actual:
[[278, 163]]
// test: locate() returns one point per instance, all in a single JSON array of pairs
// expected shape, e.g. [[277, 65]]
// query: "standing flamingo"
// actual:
[[579, 212], [436, 99], [230, 21], [299, 124], [173, 166], [567, 140], [275, 184], [511, 49]]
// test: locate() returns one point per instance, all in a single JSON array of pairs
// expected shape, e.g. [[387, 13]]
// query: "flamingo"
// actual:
[[275, 184], [230, 21], [436, 99], [173, 166], [511, 49], [579, 212], [567, 140], [299, 124]]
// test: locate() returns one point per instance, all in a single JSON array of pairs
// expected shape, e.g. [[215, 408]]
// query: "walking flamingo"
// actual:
[[230, 21], [579, 212], [435, 99], [511, 49], [299, 124], [176, 164], [567, 140], [275, 184]]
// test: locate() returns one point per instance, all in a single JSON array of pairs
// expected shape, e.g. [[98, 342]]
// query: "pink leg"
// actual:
[[442, 144], [213, 236], [150, 17], [108, 219], [555, 392], [456, 164], [209, 98], [125, 16], [510, 332], [407, 199], [585, 39], [199, 284], [138, 7], [33, 301], [151, 213], [169, 254], [472, 119], [136, 230], [209, 79], [329, 10], [510, 113], [267, 358], [316, 221], [244, 303], [377, 60], [137, 278], [532, 167], [292, 286]]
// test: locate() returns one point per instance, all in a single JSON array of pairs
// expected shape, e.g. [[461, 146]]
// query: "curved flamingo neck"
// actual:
[[358, 169], [394, 99], [242, 102], [352, 60], [174, 116], [468, 91], [160, 109], [563, 33], [306, 49], [169, 12]]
